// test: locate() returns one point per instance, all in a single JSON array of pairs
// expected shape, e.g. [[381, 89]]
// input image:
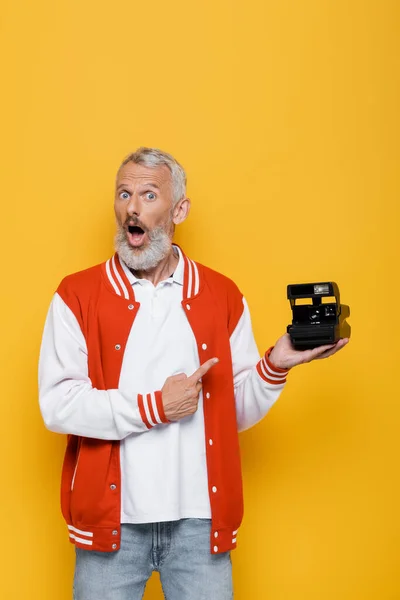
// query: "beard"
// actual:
[[146, 257]]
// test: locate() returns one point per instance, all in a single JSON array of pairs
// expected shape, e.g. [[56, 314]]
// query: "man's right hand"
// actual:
[[180, 393]]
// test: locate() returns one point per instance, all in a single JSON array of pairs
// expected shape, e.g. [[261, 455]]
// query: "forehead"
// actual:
[[134, 173]]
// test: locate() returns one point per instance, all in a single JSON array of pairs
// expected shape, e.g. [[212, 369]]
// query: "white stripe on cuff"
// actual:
[[147, 410], [273, 371], [267, 374], [155, 409]]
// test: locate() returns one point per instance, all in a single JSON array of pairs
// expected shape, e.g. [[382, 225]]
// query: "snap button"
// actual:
[[113, 486], [115, 532], [117, 347], [204, 346], [215, 548], [214, 489], [216, 534], [114, 546], [130, 306], [210, 442], [208, 395], [188, 306]]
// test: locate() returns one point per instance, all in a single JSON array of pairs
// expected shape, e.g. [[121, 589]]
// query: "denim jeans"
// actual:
[[178, 550]]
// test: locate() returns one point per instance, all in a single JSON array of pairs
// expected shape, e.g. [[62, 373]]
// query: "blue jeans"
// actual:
[[178, 550]]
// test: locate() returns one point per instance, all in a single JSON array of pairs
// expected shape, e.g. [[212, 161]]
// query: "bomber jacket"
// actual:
[[103, 303]]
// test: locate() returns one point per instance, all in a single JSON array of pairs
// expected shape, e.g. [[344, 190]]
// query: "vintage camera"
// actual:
[[317, 323]]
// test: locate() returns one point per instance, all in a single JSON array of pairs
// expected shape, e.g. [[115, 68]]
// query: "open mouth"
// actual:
[[135, 235]]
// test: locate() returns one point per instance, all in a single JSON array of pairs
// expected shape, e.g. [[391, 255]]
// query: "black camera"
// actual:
[[318, 322]]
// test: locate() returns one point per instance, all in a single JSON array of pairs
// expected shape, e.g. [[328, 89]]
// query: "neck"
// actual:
[[162, 271]]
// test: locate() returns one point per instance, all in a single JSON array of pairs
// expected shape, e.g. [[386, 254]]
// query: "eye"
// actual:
[[150, 196], [124, 195]]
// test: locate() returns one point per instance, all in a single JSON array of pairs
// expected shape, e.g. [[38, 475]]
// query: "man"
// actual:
[[149, 364]]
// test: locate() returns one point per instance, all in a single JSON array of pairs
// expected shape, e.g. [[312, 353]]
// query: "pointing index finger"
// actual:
[[203, 369]]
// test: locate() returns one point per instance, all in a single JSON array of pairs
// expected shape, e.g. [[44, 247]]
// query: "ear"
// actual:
[[181, 211]]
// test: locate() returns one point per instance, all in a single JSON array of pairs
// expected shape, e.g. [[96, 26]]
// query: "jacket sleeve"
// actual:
[[257, 382], [68, 401]]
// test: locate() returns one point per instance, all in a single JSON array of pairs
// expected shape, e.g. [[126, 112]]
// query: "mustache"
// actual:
[[135, 222]]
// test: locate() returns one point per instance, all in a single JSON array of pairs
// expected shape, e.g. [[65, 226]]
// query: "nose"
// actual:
[[133, 208]]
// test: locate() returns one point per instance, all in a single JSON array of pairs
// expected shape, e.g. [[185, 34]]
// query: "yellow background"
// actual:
[[286, 117]]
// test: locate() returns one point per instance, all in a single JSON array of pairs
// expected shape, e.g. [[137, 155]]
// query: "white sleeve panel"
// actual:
[[254, 395], [68, 401]]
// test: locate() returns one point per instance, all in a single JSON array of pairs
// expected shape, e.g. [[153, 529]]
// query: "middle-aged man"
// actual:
[[149, 364]]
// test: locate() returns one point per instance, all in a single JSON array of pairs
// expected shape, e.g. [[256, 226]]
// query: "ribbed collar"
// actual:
[[121, 281]]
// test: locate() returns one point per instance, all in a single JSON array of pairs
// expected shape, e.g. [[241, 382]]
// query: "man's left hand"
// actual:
[[284, 355]]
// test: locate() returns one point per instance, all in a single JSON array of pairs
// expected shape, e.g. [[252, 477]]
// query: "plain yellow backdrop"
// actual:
[[285, 115]]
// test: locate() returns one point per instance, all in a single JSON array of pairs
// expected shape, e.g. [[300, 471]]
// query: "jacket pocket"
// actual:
[[76, 467]]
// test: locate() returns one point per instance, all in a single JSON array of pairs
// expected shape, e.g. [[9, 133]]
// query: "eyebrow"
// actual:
[[153, 185]]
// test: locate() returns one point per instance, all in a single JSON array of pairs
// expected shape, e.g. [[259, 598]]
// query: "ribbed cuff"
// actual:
[[269, 372], [151, 409]]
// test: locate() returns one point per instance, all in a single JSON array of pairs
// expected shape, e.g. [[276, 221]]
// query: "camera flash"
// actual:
[[321, 289]]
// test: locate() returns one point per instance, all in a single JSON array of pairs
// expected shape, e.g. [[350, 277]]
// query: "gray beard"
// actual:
[[143, 259]]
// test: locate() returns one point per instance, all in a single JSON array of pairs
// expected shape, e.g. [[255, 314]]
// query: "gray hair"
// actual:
[[153, 157]]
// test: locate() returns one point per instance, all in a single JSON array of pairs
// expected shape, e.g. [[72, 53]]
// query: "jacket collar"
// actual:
[[118, 281], [191, 279]]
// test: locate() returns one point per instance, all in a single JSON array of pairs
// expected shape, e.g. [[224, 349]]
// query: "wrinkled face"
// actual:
[[144, 212]]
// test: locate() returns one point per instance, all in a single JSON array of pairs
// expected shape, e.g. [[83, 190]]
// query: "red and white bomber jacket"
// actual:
[[103, 302]]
